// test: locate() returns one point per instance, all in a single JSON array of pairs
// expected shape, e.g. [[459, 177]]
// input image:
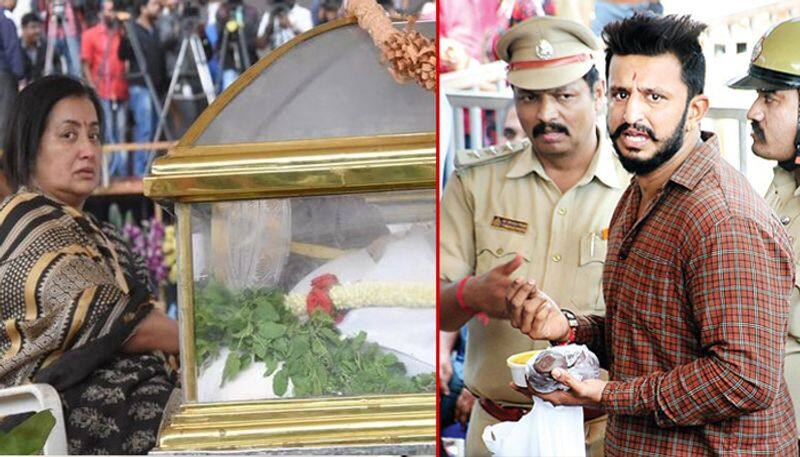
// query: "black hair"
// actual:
[[650, 35], [331, 4], [30, 17], [28, 120], [591, 77], [138, 5]]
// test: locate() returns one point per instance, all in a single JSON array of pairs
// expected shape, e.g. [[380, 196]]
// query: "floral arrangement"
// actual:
[[154, 241], [409, 55], [334, 299]]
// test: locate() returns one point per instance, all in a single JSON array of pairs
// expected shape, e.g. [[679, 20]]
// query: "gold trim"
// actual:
[[296, 168], [244, 80], [298, 423], [13, 335], [315, 146], [316, 251], [86, 298], [186, 302]]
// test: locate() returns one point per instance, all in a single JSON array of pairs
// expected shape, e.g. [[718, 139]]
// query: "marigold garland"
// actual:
[[410, 55]]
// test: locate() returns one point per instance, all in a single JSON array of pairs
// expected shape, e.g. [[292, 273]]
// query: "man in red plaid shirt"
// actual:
[[697, 278]]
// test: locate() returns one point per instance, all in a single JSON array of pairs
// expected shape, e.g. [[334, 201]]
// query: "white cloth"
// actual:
[[300, 17], [249, 384], [410, 334]]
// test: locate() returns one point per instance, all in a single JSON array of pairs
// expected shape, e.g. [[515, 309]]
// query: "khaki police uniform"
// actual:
[[501, 202], [775, 65], [783, 197]]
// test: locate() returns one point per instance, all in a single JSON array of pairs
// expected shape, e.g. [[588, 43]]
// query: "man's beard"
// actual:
[[663, 154]]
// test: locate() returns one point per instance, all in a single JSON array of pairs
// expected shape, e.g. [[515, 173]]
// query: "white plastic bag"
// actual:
[[547, 430]]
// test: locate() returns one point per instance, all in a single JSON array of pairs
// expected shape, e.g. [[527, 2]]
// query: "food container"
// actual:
[[517, 364]]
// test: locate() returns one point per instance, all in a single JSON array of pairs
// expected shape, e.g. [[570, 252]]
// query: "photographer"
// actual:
[[12, 68], [144, 111], [284, 22], [34, 46], [67, 33], [234, 18], [105, 72], [327, 10]]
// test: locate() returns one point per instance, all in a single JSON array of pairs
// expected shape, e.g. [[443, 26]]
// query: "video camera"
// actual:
[[59, 8]]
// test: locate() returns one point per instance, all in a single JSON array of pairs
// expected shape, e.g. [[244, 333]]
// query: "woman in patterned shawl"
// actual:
[[76, 303]]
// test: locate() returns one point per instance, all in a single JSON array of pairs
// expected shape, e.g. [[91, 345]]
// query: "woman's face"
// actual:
[[69, 157]]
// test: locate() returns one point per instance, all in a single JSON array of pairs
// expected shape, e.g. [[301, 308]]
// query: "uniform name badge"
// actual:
[[509, 224]]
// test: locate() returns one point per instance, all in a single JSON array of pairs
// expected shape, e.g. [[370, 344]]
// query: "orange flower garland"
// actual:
[[410, 55]]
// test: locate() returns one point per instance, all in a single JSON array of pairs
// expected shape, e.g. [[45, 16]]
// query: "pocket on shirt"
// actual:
[[587, 293], [496, 246]]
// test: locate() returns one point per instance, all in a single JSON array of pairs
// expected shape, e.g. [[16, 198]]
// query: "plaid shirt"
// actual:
[[697, 301]]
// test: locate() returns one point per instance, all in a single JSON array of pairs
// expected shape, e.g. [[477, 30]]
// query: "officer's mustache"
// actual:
[[549, 127], [638, 127], [758, 131]]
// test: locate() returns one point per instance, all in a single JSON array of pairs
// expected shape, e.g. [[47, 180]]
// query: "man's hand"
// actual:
[[534, 313], [487, 291], [445, 373], [454, 55], [464, 406], [580, 393]]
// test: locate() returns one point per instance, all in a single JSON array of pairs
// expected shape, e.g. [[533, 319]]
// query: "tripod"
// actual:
[[191, 42], [240, 55], [55, 23], [142, 63]]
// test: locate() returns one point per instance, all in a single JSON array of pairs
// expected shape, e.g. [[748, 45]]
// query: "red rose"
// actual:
[[325, 281], [318, 300]]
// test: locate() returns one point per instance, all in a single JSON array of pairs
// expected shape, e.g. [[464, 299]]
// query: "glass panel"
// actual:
[[307, 93], [364, 265]]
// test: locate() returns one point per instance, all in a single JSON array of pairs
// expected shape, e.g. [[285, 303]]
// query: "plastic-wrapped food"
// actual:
[[578, 360]]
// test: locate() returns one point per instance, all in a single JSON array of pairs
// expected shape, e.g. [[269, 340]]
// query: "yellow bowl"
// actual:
[[517, 364]]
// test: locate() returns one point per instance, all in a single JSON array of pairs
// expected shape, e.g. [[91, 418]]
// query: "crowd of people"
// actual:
[[88, 39]]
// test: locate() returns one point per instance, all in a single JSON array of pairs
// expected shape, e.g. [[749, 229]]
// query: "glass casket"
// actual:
[[305, 205]]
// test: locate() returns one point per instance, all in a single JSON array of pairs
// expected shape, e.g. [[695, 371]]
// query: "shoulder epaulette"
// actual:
[[469, 158]]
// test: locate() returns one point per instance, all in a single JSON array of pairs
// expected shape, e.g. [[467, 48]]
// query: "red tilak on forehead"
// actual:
[[634, 76]]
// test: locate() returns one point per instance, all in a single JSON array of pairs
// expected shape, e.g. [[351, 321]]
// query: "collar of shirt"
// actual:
[[701, 159], [784, 183], [602, 165]]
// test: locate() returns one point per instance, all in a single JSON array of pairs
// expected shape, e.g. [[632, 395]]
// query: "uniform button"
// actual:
[[623, 255], [562, 211], [557, 258], [500, 251], [785, 220]]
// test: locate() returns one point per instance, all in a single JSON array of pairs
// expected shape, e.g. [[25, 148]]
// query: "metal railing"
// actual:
[[132, 148], [478, 102]]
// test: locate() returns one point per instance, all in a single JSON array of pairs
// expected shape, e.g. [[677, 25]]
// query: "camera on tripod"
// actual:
[[59, 8]]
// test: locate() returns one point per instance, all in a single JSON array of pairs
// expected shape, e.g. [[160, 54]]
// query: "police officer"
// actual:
[[775, 74], [536, 209]]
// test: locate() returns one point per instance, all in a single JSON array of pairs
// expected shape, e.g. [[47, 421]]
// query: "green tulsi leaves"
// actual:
[[255, 325]]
